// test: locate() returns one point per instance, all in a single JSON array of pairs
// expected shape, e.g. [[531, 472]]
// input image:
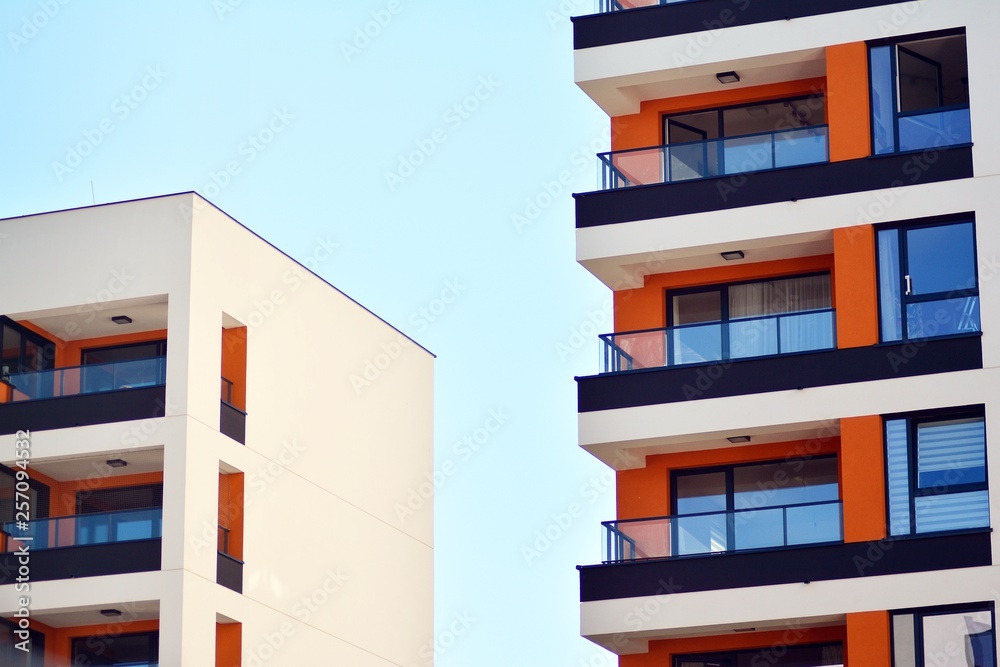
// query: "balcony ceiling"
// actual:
[[94, 320], [618, 82], [147, 610], [84, 467]]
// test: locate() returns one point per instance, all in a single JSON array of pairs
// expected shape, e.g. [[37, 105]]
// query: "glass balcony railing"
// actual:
[[719, 532], [714, 157], [934, 129], [718, 341], [86, 529], [605, 6], [89, 379]]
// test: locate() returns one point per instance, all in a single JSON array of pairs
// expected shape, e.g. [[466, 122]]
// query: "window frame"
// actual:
[[666, 117], [730, 492], [160, 343], [47, 346], [919, 613], [901, 228], [896, 43], [153, 656], [913, 421], [731, 657]]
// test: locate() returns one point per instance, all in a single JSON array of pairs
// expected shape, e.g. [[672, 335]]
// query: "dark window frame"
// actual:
[[920, 613], [896, 113], [666, 117], [731, 657], [153, 657], [922, 223], [730, 469], [914, 419], [47, 346], [160, 343]]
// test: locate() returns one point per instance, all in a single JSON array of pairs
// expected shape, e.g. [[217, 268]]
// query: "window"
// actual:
[[788, 656], [919, 93], [756, 506], [750, 319], [936, 468], [11, 655], [928, 282], [123, 366], [944, 636], [131, 649], [766, 135]]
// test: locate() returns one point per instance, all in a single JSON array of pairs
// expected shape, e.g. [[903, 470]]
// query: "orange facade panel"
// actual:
[[847, 100]]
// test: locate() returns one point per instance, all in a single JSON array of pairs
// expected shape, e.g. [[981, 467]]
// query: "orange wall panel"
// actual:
[[234, 363], [646, 307], [862, 478], [231, 510], [868, 643], [848, 113], [228, 644], [645, 128], [855, 286], [645, 492]]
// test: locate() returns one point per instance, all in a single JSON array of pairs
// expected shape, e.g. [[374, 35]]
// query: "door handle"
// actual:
[[909, 285]]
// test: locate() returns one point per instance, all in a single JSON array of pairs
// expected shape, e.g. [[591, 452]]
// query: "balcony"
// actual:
[[82, 395], [717, 341], [228, 568], [718, 532], [232, 420], [616, 22], [85, 545], [710, 158]]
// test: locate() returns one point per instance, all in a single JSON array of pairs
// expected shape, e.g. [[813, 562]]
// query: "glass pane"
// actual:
[[792, 483], [883, 99], [689, 127], [801, 146], [743, 154], [813, 523], [701, 492], [697, 160], [898, 467], [919, 81], [629, 351], [638, 167], [753, 338], [941, 318], [697, 307], [952, 511], [694, 344], [888, 285], [642, 539], [757, 529], [903, 641], [701, 534], [934, 129], [808, 331], [784, 295], [941, 258], [951, 453], [123, 353], [963, 639]]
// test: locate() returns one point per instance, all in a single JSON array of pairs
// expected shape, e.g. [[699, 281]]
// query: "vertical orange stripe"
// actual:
[[855, 286], [847, 104], [228, 644], [862, 478], [868, 639]]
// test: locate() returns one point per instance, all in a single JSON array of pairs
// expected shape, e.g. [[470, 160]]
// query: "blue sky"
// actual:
[[433, 146]]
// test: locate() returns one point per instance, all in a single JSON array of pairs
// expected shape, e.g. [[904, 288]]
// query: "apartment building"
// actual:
[[799, 221], [192, 473]]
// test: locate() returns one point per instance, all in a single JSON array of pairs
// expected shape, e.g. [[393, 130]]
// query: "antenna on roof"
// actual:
[[92, 197]]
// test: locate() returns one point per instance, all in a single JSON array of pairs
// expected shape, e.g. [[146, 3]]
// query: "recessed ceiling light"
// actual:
[[117, 463], [121, 319], [110, 612], [728, 77], [733, 254], [739, 438]]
